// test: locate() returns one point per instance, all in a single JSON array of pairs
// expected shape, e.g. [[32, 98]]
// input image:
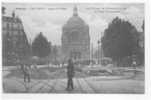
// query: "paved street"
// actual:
[[81, 85]]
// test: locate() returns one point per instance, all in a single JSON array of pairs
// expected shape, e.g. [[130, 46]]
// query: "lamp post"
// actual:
[[98, 51], [30, 47], [92, 52], [99, 41]]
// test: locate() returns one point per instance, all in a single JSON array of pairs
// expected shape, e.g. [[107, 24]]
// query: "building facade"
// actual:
[[75, 38], [14, 41]]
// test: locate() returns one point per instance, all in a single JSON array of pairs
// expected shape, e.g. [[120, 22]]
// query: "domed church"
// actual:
[[75, 38]]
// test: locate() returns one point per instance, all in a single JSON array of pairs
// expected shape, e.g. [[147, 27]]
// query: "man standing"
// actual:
[[134, 64], [26, 71], [70, 74]]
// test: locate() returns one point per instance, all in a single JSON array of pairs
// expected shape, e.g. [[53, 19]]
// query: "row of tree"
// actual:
[[42, 48], [121, 41], [17, 48]]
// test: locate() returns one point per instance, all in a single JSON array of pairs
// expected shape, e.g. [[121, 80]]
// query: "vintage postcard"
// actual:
[[73, 48]]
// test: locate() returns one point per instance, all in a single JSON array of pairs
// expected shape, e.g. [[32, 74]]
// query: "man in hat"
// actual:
[[70, 74], [26, 71]]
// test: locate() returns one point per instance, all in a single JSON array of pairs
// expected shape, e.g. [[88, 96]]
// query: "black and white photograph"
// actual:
[[73, 48]]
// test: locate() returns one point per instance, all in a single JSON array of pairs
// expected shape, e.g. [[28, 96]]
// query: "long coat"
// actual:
[[70, 70]]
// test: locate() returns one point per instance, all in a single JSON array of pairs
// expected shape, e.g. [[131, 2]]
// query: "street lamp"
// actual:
[[99, 41], [98, 51]]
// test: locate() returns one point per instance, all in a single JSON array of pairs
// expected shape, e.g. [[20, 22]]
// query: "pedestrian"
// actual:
[[70, 74], [27, 73], [35, 66], [22, 68], [23, 71], [134, 64]]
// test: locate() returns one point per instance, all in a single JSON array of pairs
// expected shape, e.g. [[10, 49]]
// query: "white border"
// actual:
[[146, 96]]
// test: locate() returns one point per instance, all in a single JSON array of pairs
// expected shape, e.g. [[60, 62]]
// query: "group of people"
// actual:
[[26, 70]]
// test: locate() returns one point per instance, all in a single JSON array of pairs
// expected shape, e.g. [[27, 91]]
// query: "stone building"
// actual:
[[75, 38], [14, 41]]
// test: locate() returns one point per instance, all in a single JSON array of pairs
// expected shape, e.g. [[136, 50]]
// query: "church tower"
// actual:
[[75, 38]]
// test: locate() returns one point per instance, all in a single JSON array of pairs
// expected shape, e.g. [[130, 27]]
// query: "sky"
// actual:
[[50, 18]]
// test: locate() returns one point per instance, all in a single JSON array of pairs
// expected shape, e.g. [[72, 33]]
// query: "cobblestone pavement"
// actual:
[[81, 85]]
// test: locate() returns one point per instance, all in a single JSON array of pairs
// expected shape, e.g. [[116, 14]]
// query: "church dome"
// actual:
[[75, 20], [75, 38]]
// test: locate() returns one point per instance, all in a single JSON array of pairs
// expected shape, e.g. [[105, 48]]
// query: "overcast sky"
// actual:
[[49, 18]]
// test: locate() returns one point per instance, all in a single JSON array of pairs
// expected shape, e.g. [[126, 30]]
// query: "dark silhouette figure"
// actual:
[[25, 70], [134, 63], [70, 74]]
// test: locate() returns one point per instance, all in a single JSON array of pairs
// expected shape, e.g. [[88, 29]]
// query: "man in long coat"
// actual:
[[70, 74]]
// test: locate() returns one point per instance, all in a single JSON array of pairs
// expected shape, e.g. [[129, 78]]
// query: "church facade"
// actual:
[[75, 38]]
